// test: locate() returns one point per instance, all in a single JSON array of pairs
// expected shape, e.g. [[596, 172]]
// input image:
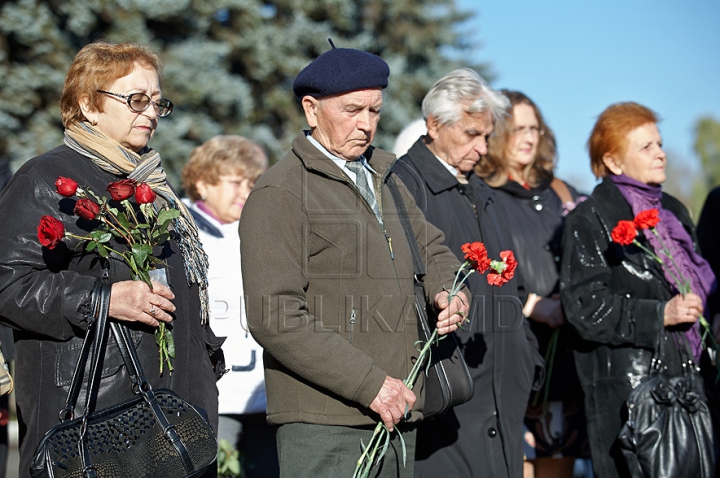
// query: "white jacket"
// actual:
[[242, 389]]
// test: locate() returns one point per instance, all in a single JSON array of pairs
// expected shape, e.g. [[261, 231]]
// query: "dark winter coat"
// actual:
[[329, 292], [536, 231], [483, 437], [708, 232], [45, 296], [615, 298]]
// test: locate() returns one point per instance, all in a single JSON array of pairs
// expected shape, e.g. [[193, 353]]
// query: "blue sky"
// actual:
[[574, 58]]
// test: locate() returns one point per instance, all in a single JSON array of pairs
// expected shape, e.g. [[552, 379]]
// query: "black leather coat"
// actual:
[[45, 296], [615, 298], [483, 437]]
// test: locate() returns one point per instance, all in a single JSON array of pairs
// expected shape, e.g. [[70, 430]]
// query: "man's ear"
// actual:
[[90, 114], [433, 125], [612, 164], [310, 106]]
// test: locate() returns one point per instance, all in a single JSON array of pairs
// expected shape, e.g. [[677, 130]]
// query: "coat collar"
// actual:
[[381, 161], [435, 175]]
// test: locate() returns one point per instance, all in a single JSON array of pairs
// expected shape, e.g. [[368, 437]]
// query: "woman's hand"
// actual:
[[548, 311], [679, 309], [452, 315], [133, 301]]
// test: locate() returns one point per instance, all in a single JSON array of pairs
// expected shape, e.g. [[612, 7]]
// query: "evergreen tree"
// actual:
[[229, 64], [707, 147]]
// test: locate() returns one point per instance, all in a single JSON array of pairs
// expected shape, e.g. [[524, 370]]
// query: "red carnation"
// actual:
[[624, 233], [50, 232], [86, 209], [647, 219], [65, 186], [476, 254], [121, 190], [144, 194], [503, 270]]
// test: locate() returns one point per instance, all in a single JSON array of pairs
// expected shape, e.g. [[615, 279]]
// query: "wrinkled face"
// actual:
[[117, 121], [523, 139], [345, 124], [226, 199], [644, 160], [462, 144]]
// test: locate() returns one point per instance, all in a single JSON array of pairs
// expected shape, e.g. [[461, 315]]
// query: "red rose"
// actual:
[[624, 233], [476, 254], [86, 209], [65, 186], [503, 270], [647, 219], [50, 232], [121, 190], [144, 194]]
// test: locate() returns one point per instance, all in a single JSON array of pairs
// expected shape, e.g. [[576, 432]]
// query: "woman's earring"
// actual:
[[93, 122]]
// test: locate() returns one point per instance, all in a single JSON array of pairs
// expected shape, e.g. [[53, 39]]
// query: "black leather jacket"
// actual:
[[615, 298], [45, 297]]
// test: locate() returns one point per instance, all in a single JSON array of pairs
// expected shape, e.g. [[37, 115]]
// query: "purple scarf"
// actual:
[[693, 268]]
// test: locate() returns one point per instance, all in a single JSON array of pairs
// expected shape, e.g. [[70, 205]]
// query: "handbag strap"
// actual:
[[98, 297], [561, 190], [418, 265]]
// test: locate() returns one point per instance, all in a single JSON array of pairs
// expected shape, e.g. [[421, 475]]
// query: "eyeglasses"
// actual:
[[139, 102], [523, 130]]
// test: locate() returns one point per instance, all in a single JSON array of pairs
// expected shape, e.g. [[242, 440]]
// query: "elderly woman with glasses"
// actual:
[[111, 106], [519, 166]]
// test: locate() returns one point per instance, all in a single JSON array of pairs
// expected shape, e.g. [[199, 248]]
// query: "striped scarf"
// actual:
[[110, 156]]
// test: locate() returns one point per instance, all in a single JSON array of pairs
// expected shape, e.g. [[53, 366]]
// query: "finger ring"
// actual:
[[152, 311]]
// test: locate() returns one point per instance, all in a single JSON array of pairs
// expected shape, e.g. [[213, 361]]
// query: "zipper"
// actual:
[[353, 314]]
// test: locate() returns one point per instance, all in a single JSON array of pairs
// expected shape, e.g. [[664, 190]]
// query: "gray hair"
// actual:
[[462, 90]]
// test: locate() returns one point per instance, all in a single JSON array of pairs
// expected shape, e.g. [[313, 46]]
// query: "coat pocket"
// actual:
[[67, 356]]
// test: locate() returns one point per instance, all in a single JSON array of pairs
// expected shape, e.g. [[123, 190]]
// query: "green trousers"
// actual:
[[327, 451]]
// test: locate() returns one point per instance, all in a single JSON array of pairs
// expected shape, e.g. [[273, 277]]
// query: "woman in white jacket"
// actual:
[[218, 178]]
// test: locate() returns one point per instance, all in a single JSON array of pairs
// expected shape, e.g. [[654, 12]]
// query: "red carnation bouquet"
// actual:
[[476, 260], [625, 233], [138, 229]]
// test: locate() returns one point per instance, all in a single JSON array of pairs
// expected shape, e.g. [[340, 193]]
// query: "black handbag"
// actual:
[[448, 382], [154, 434], [669, 431]]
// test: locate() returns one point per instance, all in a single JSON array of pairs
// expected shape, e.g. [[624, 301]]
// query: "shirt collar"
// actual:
[[340, 162]]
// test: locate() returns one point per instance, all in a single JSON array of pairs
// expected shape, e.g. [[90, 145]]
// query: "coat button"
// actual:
[[492, 432]]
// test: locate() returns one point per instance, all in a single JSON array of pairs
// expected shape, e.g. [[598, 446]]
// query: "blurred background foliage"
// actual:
[[229, 64]]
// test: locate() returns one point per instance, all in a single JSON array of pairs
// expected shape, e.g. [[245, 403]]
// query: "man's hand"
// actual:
[[391, 401], [452, 316]]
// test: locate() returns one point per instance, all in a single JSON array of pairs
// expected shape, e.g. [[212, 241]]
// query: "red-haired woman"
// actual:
[[621, 302]]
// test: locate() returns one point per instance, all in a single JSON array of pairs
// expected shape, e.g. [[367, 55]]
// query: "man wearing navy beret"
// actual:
[[328, 279]]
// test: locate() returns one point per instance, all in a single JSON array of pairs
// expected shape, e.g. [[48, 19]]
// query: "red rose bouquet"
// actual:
[[138, 229], [476, 259], [625, 233]]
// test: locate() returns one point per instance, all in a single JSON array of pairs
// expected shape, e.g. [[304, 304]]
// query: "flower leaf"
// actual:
[[170, 343], [123, 221], [166, 215]]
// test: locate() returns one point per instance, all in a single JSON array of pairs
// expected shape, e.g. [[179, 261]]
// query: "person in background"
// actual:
[[111, 106], [483, 437], [708, 233], [327, 271], [218, 178], [8, 349], [519, 166], [620, 301], [408, 136]]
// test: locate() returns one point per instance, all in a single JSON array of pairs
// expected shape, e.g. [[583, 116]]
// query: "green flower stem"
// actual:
[[381, 434], [685, 286], [549, 360]]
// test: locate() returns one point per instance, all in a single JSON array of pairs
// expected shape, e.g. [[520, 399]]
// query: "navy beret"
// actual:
[[341, 70]]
